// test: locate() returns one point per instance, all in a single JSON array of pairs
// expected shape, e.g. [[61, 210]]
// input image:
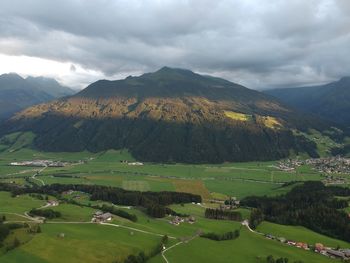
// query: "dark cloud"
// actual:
[[260, 44]]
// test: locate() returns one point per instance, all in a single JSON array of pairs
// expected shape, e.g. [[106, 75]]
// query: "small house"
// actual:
[[101, 217], [319, 247], [302, 245]]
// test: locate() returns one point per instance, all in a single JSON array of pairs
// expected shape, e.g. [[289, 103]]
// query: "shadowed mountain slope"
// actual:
[[330, 101], [169, 115], [17, 93]]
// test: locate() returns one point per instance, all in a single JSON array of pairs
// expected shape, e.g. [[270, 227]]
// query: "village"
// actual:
[[41, 163], [327, 165], [343, 254]]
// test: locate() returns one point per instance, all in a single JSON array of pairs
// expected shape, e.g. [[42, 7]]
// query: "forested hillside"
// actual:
[[170, 115]]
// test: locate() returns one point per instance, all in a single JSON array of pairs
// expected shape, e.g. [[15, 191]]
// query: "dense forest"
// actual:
[[222, 214], [311, 205], [154, 202]]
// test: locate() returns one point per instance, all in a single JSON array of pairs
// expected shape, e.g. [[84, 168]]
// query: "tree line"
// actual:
[[312, 205], [47, 213], [154, 202], [221, 237]]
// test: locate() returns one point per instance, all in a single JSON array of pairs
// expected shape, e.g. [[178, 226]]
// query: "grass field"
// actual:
[[248, 248], [73, 213], [98, 243], [20, 204], [81, 243]]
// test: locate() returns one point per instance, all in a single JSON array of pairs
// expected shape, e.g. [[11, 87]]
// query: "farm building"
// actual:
[[101, 217], [336, 253]]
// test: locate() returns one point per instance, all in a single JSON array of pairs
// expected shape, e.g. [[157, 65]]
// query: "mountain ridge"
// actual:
[[330, 101], [17, 93], [168, 115]]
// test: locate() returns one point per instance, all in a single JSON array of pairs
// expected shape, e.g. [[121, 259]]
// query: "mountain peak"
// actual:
[[171, 72], [11, 76], [174, 70]]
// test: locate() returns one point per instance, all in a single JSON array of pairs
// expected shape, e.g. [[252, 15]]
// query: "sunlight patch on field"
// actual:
[[136, 185], [237, 116], [270, 122]]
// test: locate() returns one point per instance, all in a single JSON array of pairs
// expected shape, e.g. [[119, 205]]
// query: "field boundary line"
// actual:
[[136, 229]]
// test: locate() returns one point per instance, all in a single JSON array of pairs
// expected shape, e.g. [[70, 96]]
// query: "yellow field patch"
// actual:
[[238, 116], [219, 196], [192, 186], [134, 185], [271, 122]]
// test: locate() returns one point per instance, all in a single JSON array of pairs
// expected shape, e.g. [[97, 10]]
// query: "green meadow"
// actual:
[[81, 243], [248, 248]]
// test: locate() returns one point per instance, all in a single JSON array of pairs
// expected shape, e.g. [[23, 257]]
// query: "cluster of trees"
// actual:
[[5, 230], [39, 197], [47, 213], [256, 217], [154, 202], [222, 214], [118, 212], [160, 211], [221, 237], [271, 259], [311, 205]]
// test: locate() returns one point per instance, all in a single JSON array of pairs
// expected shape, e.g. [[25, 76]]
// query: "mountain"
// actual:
[[330, 101], [169, 115], [17, 93]]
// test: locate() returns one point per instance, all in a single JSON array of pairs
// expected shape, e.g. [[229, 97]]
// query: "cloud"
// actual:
[[260, 45]]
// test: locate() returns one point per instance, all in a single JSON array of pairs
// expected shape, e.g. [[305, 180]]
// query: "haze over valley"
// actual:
[[175, 131]]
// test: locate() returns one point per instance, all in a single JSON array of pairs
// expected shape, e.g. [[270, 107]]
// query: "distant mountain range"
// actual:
[[330, 101], [17, 93], [170, 115]]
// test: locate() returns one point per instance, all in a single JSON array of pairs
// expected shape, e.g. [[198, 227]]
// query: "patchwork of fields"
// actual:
[[107, 168], [113, 243]]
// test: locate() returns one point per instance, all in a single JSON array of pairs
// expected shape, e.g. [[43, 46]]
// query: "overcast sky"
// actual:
[[260, 44]]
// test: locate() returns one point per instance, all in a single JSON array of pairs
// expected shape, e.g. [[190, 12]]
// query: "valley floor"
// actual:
[[74, 236]]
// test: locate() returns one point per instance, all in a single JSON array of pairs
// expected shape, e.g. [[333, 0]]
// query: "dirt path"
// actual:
[[26, 216], [171, 247], [136, 229], [37, 173]]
